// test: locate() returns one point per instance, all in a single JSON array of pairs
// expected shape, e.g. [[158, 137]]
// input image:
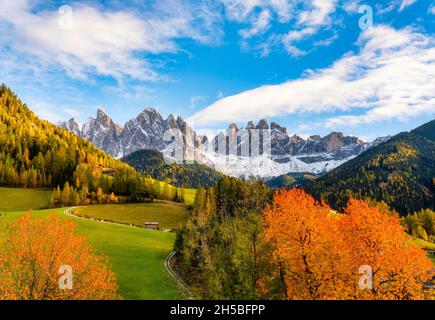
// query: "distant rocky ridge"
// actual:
[[143, 132], [289, 153]]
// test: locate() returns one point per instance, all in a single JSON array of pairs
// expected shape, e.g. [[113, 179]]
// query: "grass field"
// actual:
[[425, 245], [136, 255], [189, 194], [170, 215], [13, 199]]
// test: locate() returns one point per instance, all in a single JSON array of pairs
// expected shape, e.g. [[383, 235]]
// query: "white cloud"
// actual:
[[351, 6], [381, 7], [319, 14], [295, 36], [406, 3], [259, 25], [194, 101], [390, 78], [431, 9], [327, 41], [310, 21], [108, 43], [304, 18], [119, 43]]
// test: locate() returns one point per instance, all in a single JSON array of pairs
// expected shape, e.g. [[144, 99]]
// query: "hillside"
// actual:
[[400, 171], [151, 163], [36, 153], [292, 179]]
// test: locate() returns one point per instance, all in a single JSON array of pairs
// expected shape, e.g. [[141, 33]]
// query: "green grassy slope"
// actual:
[[12, 199], [169, 215], [189, 196], [136, 255]]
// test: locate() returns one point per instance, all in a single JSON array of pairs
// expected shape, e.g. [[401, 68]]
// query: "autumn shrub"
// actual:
[[33, 256]]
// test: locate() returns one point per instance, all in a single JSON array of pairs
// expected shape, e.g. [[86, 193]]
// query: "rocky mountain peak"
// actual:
[[250, 125], [101, 114], [262, 124], [315, 137], [233, 127], [289, 153], [150, 115], [150, 110], [277, 127], [71, 125], [296, 138]]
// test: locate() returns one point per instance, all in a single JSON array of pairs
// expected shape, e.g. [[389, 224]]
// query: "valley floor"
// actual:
[[170, 215]]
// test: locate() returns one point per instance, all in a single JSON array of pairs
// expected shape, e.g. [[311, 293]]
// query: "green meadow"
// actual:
[[189, 197], [136, 255], [13, 199], [189, 194], [169, 214]]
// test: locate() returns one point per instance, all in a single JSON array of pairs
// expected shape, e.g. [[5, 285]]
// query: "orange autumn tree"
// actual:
[[306, 251], [35, 255], [318, 255], [375, 238]]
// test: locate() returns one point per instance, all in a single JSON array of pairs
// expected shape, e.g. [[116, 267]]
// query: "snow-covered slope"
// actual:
[[287, 153]]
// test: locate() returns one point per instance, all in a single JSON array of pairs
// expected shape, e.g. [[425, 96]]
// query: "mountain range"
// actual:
[[400, 172], [289, 153], [34, 153]]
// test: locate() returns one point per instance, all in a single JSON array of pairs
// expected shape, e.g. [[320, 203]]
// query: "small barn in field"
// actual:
[[151, 225]]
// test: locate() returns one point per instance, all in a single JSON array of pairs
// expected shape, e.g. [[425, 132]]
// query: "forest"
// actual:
[[36, 153], [151, 163], [290, 246], [399, 171]]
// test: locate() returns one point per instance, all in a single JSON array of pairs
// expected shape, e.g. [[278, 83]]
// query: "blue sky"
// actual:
[[307, 65]]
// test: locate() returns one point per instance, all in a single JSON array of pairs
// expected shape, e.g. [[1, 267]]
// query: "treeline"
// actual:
[[218, 245], [421, 225], [148, 190], [36, 153]]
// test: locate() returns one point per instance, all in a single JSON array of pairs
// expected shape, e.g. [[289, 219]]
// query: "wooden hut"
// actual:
[[151, 225]]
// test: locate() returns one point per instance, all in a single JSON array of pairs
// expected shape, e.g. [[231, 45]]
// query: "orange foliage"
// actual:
[[306, 253], [32, 251], [317, 255], [375, 238]]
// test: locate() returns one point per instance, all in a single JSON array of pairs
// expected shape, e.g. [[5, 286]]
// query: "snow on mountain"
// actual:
[[288, 153]]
